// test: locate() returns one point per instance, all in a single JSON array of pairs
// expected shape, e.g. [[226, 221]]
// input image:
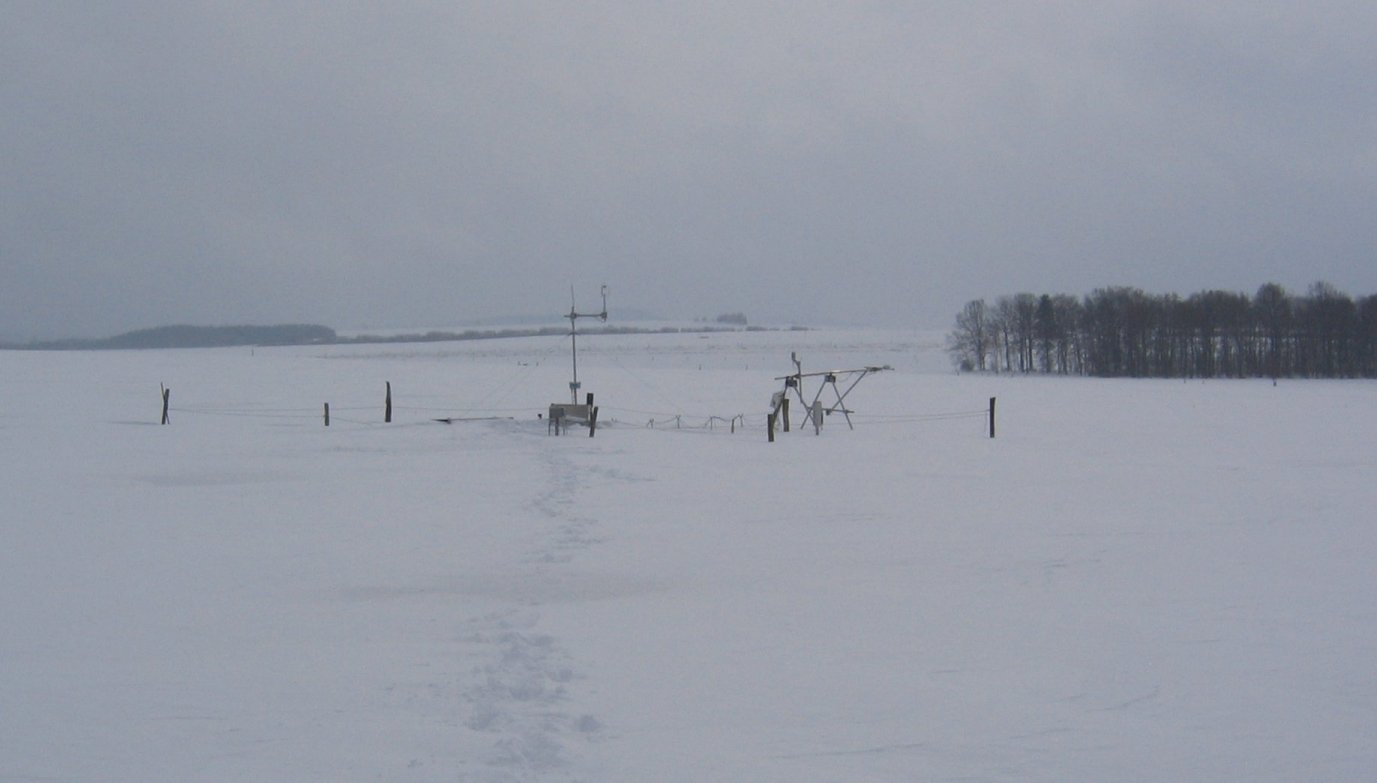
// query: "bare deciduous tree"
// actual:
[[969, 343]]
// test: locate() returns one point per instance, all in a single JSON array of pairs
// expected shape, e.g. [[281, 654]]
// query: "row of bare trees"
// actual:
[[1212, 334]]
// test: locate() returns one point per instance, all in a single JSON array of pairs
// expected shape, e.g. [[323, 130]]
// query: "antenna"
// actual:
[[573, 317]]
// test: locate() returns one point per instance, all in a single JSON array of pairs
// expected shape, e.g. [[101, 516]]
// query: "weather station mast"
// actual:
[[573, 317]]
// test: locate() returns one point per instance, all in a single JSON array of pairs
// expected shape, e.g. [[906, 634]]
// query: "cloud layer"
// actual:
[[427, 164]]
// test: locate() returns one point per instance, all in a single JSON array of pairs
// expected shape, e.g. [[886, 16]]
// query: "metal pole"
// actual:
[[573, 317], [574, 345]]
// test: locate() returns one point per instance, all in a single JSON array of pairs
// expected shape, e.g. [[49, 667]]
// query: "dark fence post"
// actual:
[[770, 426], [784, 408], [166, 394], [327, 414], [992, 418], [387, 408], [592, 419]]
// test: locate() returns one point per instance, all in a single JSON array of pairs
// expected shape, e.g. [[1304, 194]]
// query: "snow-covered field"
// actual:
[[1136, 581]]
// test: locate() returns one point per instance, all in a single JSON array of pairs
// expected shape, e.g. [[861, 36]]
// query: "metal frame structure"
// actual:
[[815, 408]]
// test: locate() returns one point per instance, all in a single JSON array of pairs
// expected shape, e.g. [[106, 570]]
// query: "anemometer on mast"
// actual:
[[573, 317], [562, 413]]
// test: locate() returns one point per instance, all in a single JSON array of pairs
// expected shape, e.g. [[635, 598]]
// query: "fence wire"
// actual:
[[613, 416]]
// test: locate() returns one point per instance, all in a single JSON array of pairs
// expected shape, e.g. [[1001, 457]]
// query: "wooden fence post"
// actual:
[[387, 409], [992, 418], [166, 394], [770, 426], [784, 408], [592, 419], [327, 414]]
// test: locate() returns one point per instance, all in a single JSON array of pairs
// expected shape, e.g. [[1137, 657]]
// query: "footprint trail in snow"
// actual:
[[519, 692]]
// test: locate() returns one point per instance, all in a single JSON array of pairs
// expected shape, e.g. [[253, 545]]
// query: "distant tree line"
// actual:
[[309, 334], [185, 336], [1123, 331]]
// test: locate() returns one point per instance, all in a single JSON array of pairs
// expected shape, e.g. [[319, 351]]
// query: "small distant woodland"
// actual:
[[1125, 332]]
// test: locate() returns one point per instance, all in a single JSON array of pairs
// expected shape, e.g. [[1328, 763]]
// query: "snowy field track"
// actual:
[[1137, 580]]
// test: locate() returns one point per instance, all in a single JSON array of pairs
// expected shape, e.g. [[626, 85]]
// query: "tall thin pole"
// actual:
[[573, 317], [574, 346]]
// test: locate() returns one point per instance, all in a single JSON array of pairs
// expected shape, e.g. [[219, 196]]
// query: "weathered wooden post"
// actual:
[[387, 407], [327, 414], [784, 408], [992, 411], [770, 426], [592, 419], [166, 394]]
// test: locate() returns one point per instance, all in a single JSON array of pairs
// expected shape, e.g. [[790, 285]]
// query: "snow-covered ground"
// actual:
[[1136, 581]]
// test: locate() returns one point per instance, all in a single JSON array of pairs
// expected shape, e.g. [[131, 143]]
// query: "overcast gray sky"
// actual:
[[408, 164]]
